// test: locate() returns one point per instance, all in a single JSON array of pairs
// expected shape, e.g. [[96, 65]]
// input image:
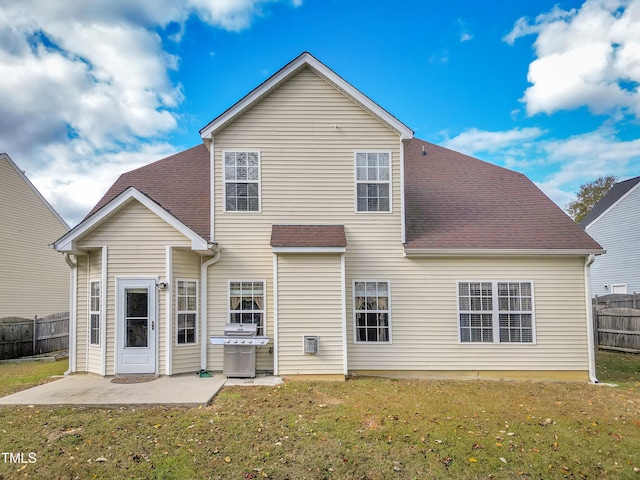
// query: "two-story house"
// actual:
[[311, 211]]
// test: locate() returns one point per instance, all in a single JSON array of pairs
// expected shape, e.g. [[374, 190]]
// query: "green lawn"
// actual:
[[364, 428], [16, 376]]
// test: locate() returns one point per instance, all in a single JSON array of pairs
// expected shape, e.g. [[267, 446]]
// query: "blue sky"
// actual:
[[93, 89]]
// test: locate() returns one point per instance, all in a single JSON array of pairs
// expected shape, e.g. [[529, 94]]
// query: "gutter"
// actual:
[[203, 307], [72, 312], [495, 252], [590, 332]]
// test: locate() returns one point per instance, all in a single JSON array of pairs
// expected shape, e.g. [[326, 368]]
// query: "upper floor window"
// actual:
[[373, 181], [492, 312], [242, 181]]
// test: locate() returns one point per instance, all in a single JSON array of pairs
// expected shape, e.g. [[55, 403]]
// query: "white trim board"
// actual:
[[68, 242], [302, 61]]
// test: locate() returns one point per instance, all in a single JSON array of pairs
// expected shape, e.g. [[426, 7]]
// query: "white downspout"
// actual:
[[276, 345], [345, 356], [203, 309], [72, 312], [590, 343]]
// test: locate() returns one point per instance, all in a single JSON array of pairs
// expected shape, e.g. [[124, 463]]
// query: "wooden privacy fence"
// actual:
[[617, 322], [21, 337]]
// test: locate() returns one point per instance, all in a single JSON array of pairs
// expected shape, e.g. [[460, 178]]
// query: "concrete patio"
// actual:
[[93, 391]]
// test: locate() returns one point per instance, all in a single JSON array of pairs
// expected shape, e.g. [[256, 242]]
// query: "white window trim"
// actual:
[[95, 312], [495, 319], [178, 312], [264, 307], [356, 183], [353, 308], [615, 286], [225, 181]]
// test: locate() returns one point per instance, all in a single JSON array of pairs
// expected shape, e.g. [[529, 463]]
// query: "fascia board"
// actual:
[[612, 206], [308, 249], [67, 242], [485, 252], [307, 59]]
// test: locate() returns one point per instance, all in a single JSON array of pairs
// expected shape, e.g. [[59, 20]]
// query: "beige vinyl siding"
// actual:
[[310, 303], [185, 358], [82, 315], [34, 278], [425, 316], [307, 133], [94, 357], [136, 240], [239, 264]]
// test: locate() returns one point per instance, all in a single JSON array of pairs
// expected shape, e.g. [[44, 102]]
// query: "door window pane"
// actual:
[[137, 319]]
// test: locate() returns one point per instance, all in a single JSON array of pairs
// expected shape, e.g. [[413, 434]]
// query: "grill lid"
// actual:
[[240, 330]]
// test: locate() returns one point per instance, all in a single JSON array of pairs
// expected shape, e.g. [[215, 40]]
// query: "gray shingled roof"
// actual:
[[308, 236], [453, 201], [612, 196], [179, 183]]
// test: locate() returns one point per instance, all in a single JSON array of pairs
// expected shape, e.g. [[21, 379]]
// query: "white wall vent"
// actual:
[[311, 343]]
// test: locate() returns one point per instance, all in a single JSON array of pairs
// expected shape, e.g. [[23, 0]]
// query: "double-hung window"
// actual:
[[373, 181], [496, 312], [371, 300], [242, 181], [94, 312], [187, 311], [246, 303]]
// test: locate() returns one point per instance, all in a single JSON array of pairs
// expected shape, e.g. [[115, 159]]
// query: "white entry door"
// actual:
[[137, 325]]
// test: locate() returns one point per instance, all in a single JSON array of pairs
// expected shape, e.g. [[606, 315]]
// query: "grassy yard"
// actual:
[[364, 428], [16, 376]]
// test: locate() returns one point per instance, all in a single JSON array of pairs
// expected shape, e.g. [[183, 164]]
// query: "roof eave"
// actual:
[[306, 59], [308, 249], [498, 252], [68, 242]]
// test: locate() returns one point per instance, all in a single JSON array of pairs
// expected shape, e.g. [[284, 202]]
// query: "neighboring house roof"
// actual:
[[457, 203], [305, 60], [180, 183], [308, 236], [4, 156], [614, 195]]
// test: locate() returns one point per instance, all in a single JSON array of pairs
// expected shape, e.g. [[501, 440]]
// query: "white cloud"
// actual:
[[85, 91], [572, 161], [585, 57], [474, 141]]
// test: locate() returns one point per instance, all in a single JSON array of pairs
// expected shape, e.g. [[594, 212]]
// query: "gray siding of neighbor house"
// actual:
[[618, 231]]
